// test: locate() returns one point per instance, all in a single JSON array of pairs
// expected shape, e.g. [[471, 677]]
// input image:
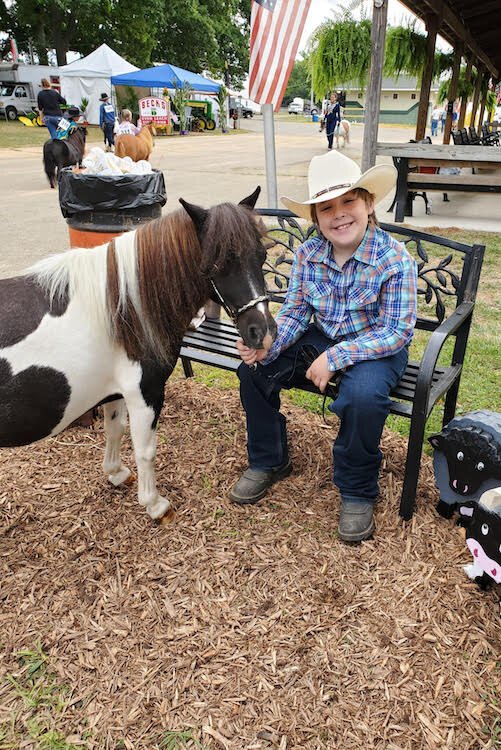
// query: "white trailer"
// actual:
[[20, 84]]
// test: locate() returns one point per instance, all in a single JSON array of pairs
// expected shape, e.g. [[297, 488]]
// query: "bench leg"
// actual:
[[412, 465], [450, 403], [187, 367]]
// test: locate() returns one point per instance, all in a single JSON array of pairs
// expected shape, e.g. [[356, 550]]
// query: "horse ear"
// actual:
[[251, 200], [197, 214]]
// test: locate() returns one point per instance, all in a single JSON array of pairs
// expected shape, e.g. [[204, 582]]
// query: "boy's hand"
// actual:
[[250, 356], [319, 372]]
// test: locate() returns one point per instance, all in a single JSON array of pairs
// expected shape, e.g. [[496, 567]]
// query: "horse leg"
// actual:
[[115, 422], [144, 439]]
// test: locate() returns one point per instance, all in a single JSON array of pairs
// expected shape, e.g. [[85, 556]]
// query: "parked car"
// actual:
[[246, 112], [295, 108]]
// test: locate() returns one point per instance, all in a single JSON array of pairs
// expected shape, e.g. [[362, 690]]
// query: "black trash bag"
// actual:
[[80, 193]]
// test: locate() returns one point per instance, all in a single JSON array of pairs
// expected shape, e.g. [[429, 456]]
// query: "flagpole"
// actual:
[[269, 152]]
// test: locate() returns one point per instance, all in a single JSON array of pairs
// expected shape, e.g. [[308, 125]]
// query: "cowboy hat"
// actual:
[[334, 174], [103, 97], [73, 112]]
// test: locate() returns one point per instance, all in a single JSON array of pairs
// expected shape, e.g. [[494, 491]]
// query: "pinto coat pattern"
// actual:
[[104, 326]]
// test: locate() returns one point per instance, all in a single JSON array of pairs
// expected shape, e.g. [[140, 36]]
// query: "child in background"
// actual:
[[126, 126]]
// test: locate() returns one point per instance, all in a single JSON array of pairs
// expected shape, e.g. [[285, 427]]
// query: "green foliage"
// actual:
[[299, 83], [180, 101], [179, 740], [222, 96], [193, 34], [127, 99], [405, 52], [340, 53], [465, 87]]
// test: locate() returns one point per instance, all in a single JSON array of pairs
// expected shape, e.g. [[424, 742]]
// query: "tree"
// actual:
[[299, 83]]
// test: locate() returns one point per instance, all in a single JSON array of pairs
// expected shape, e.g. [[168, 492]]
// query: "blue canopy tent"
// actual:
[[167, 76]]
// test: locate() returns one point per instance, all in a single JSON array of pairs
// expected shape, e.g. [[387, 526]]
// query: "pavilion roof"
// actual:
[[476, 22]]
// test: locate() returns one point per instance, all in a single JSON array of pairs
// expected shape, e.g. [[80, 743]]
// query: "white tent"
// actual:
[[90, 76]]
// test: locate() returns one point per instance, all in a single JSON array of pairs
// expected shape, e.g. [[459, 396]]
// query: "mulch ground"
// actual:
[[254, 628]]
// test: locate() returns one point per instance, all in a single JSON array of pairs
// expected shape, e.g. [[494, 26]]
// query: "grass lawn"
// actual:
[[17, 135]]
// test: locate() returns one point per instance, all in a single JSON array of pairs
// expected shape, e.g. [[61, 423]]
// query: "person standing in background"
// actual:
[[107, 121], [332, 119], [436, 116], [127, 127], [49, 103]]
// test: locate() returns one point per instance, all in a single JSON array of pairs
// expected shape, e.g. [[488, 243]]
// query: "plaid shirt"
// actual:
[[368, 309]]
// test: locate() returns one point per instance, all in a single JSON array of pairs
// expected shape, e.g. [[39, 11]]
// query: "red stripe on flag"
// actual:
[[275, 38]]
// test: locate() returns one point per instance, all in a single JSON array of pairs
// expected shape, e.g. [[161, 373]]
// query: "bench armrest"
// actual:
[[430, 355]]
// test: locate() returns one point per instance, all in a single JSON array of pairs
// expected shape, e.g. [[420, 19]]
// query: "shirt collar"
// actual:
[[366, 252]]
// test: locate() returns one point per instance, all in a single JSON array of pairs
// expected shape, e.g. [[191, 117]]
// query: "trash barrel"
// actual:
[[314, 117], [98, 208]]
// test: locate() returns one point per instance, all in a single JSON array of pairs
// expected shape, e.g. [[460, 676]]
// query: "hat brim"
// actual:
[[378, 181]]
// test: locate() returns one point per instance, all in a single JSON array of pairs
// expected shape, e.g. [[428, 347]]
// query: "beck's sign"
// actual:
[[153, 109]]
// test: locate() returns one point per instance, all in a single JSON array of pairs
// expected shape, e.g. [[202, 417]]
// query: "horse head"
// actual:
[[231, 238]]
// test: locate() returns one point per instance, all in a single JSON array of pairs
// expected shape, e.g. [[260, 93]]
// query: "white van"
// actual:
[[16, 99]]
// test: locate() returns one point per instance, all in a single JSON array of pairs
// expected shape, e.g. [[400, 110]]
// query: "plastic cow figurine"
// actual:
[[483, 537], [467, 458]]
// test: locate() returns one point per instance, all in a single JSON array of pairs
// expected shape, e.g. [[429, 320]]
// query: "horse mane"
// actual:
[[144, 287], [174, 269]]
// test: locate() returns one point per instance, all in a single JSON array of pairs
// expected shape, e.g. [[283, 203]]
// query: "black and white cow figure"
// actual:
[[467, 458], [483, 537]]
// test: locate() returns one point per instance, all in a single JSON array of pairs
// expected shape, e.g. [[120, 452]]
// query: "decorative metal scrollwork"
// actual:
[[436, 278]]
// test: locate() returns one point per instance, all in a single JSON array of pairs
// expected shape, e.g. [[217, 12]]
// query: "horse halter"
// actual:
[[235, 312]]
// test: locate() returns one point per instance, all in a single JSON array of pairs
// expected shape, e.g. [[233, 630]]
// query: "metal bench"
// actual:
[[449, 273]]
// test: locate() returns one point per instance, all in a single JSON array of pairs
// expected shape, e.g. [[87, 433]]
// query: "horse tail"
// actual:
[[49, 163]]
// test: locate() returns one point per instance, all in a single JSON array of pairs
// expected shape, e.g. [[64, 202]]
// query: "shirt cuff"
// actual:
[[335, 359]]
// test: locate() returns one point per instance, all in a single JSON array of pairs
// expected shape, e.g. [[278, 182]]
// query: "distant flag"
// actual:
[[13, 50], [276, 28]]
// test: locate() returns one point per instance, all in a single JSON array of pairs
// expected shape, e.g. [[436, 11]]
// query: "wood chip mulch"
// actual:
[[254, 628]]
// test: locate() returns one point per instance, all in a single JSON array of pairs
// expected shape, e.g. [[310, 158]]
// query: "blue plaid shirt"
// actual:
[[368, 308]]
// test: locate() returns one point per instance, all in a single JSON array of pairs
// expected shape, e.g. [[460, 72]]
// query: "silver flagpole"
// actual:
[[269, 152]]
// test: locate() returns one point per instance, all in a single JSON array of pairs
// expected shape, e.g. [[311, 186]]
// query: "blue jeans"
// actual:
[[362, 405], [51, 122], [109, 138]]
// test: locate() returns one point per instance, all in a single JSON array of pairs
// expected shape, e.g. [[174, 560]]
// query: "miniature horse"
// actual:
[[342, 131], [137, 146], [58, 154], [104, 326]]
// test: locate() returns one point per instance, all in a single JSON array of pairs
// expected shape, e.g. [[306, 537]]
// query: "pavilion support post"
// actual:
[[432, 25], [452, 93], [373, 95], [476, 96], [485, 81], [464, 100]]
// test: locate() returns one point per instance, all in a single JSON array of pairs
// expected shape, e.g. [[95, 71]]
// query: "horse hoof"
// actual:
[[159, 508], [123, 476], [168, 517]]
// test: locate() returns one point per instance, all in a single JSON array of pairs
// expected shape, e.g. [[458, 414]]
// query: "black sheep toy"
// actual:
[[467, 458]]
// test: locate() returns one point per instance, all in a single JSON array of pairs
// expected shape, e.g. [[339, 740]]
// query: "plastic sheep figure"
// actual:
[[482, 520], [467, 458]]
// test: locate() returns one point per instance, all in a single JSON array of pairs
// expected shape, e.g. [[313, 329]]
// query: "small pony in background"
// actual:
[[342, 131], [63, 153], [138, 146]]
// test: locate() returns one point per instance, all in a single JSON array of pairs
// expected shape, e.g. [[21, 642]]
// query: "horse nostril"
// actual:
[[254, 333]]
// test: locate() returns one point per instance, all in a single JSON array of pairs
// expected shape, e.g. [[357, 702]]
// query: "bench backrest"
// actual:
[[448, 271]]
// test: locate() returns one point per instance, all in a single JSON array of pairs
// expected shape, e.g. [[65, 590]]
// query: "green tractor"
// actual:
[[201, 113]]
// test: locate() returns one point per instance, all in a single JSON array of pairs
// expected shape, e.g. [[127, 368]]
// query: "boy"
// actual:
[[358, 285], [107, 121]]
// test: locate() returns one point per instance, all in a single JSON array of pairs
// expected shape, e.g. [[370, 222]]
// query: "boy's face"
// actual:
[[343, 221]]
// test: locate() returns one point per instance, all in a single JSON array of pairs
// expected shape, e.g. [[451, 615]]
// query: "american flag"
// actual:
[[276, 28]]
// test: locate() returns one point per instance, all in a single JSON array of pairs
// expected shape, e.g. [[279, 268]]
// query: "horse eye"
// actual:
[[485, 529], [460, 456], [480, 466]]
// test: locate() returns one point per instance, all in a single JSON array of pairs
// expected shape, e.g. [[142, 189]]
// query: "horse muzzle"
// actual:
[[257, 327]]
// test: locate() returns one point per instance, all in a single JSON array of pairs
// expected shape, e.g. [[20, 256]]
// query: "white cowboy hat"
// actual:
[[334, 174]]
